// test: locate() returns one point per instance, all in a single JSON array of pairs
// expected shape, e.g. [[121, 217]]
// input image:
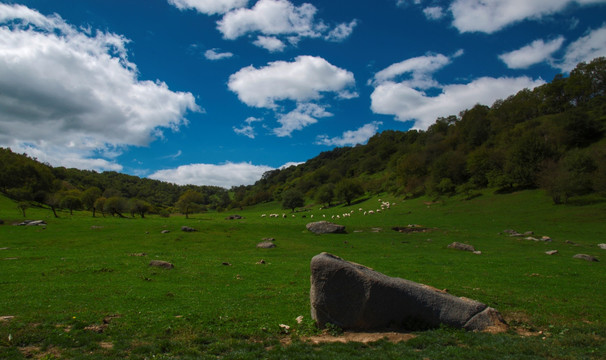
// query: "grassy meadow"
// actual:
[[74, 289]]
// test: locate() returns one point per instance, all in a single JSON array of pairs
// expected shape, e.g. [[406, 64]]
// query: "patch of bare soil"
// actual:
[[361, 337], [34, 352], [411, 229]]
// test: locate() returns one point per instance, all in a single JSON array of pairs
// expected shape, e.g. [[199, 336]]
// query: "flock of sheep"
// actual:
[[385, 205]]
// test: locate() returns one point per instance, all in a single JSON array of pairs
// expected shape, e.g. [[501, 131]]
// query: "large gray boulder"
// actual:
[[356, 297], [325, 227]]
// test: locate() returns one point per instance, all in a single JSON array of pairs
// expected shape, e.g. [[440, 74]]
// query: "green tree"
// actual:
[[115, 205], [22, 206], [292, 199], [348, 189], [71, 200], [325, 194], [53, 200], [189, 202], [138, 206], [100, 204], [89, 197]]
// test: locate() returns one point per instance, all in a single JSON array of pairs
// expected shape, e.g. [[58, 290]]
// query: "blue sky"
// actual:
[[216, 92]]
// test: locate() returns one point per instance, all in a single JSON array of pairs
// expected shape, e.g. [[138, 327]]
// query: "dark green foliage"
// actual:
[[292, 199], [348, 189]]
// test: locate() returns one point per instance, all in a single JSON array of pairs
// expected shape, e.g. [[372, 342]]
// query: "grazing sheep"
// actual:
[[371, 212], [323, 215], [312, 216], [264, 215], [364, 213]]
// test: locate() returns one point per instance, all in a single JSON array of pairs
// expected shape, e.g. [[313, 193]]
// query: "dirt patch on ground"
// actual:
[[361, 337], [411, 229], [34, 352]]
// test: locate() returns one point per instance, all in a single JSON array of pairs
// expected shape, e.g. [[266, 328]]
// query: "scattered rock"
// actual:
[[187, 229], [6, 318], [529, 233], [545, 238], [477, 252], [162, 264], [551, 252], [586, 257], [234, 217], [138, 254], [266, 245], [268, 239], [355, 297], [460, 246], [167, 231], [32, 223], [602, 246], [513, 233], [410, 229], [376, 229], [530, 238], [260, 262], [325, 227], [571, 243], [4, 248], [226, 264]]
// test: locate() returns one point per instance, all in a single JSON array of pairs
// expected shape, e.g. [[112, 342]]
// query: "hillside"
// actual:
[[551, 137]]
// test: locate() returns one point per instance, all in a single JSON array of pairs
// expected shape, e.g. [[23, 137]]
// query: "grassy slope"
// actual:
[[69, 276]]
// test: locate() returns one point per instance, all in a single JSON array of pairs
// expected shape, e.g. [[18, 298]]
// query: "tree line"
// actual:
[[31, 183], [551, 137]]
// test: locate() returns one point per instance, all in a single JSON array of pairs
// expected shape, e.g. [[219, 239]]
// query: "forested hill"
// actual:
[[551, 137]]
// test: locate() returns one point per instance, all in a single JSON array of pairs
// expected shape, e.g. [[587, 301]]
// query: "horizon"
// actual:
[[217, 92]]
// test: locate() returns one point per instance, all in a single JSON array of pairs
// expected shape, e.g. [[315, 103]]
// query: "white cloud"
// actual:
[[271, 17], [304, 79], [434, 12], [247, 129], [351, 137], [492, 16], [304, 115], [407, 103], [62, 88], [280, 18], [420, 69], [536, 52], [289, 164], [341, 31], [585, 49], [224, 175], [209, 7], [215, 54], [270, 43]]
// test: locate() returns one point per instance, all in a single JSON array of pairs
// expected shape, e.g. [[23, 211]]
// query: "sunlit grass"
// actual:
[[61, 280]]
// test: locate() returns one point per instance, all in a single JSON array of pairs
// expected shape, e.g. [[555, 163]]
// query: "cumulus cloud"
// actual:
[[224, 175], [247, 129], [270, 43], [280, 20], [72, 95], [492, 16], [304, 115], [216, 54], [341, 31], [208, 7], [434, 12], [585, 49], [536, 52], [407, 100], [407, 103], [271, 17], [351, 137], [419, 69], [303, 81]]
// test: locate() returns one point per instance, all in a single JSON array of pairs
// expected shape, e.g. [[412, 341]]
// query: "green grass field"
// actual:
[[73, 289]]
